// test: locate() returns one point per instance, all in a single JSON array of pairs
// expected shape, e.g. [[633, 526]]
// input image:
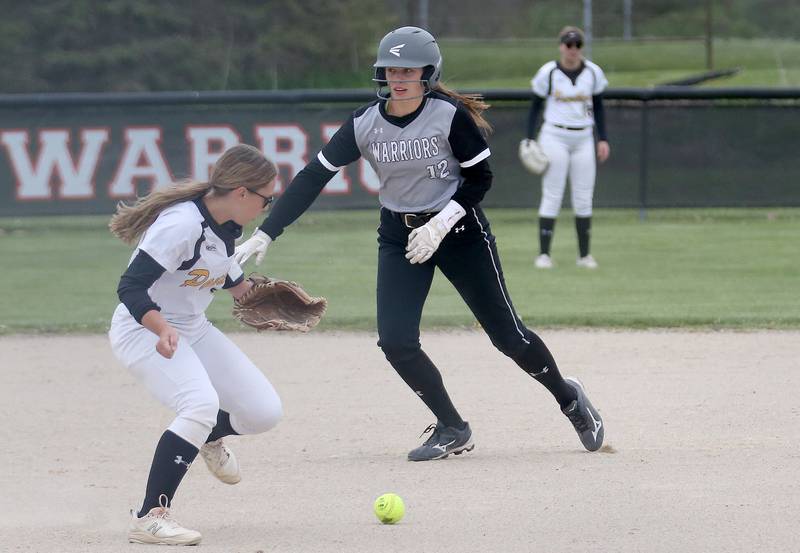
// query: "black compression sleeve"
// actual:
[[297, 198], [533, 115], [599, 116], [134, 283], [467, 141], [477, 181]]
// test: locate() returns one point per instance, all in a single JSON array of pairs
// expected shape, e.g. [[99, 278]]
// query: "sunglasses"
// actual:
[[267, 199], [577, 45]]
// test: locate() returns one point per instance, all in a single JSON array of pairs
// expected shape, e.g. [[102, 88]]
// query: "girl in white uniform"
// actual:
[[160, 333], [572, 89]]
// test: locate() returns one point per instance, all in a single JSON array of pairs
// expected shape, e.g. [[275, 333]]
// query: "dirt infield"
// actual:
[[703, 429]]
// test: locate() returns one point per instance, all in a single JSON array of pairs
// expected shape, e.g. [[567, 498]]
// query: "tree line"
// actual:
[[151, 45]]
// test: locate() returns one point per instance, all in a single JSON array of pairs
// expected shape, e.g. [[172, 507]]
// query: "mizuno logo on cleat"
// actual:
[[597, 424], [443, 448]]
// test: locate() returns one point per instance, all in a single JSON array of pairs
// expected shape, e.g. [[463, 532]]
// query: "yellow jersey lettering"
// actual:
[[559, 97], [213, 282], [200, 276]]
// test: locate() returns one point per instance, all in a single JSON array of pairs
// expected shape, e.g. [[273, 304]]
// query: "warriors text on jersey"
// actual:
[[423, 160], [418, 159]]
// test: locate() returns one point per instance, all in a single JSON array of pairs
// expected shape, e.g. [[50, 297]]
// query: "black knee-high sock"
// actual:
[[583, 226], [222, 428], [422, 376], [538, 362], [172, 459], [546, 229]]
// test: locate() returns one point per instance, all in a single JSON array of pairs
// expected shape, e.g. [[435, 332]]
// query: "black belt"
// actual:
[[570, 128], [416, 220], [412, 220]]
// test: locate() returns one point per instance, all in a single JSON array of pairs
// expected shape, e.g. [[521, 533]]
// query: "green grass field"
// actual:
[[641, 63], [679, 268]]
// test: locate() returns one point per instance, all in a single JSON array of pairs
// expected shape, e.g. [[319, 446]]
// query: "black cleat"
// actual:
[[444, 441]]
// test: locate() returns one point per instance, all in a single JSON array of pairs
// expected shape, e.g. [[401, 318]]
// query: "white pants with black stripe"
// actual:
[[208, 372], [571, 154]]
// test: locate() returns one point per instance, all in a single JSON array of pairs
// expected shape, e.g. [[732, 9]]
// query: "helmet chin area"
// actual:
[[380, 84]]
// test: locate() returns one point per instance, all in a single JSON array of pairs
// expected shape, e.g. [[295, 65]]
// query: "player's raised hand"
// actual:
[[167, 342], [256, 244]]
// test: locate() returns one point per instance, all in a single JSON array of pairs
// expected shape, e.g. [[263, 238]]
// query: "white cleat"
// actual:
[[159, 528], [544, 262], [221, 462], [587, 262]]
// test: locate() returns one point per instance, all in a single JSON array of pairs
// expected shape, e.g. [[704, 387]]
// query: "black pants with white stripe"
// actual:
[[468, 259]]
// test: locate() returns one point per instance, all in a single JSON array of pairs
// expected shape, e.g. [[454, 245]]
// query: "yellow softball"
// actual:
[[389, 508]]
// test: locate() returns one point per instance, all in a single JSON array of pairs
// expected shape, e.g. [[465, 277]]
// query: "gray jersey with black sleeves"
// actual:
[[418, 157]]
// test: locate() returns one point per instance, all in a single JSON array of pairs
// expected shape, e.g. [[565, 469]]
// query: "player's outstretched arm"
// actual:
[[297, 198]]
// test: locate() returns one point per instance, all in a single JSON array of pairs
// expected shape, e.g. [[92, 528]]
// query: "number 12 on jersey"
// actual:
[[442, 168]]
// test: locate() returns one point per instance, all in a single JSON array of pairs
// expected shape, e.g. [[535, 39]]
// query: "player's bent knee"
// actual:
[[513, 345], [512, 348], [398, 345], [195, 418], [203, 411], [259, 418], [399, 351]]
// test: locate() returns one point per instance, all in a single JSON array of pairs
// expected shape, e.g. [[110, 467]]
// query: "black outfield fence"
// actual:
[[671, 146]]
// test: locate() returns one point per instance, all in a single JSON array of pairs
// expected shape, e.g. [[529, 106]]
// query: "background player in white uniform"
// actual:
[[425, 143], [161, 334], [571, 88]]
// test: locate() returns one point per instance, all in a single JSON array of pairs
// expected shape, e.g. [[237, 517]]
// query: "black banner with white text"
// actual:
[[83, 160]]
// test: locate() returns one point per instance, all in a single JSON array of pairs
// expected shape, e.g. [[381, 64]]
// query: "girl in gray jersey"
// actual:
[[425, 143]]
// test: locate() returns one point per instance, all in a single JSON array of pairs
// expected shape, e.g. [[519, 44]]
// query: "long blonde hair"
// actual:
[[241, 165], [473, 102]]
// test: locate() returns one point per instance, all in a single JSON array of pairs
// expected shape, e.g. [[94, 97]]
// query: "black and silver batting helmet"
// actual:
[[409, 47]]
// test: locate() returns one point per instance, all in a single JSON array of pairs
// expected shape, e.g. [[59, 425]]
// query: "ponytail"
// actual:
[[242, 165], [130, 221], [473, 102]]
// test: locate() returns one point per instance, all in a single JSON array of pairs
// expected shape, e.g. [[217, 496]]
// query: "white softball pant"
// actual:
[[570, 153], [208, 372]]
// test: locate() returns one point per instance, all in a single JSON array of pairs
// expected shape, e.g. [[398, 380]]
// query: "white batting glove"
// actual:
[[425, 240], [257, 243]]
